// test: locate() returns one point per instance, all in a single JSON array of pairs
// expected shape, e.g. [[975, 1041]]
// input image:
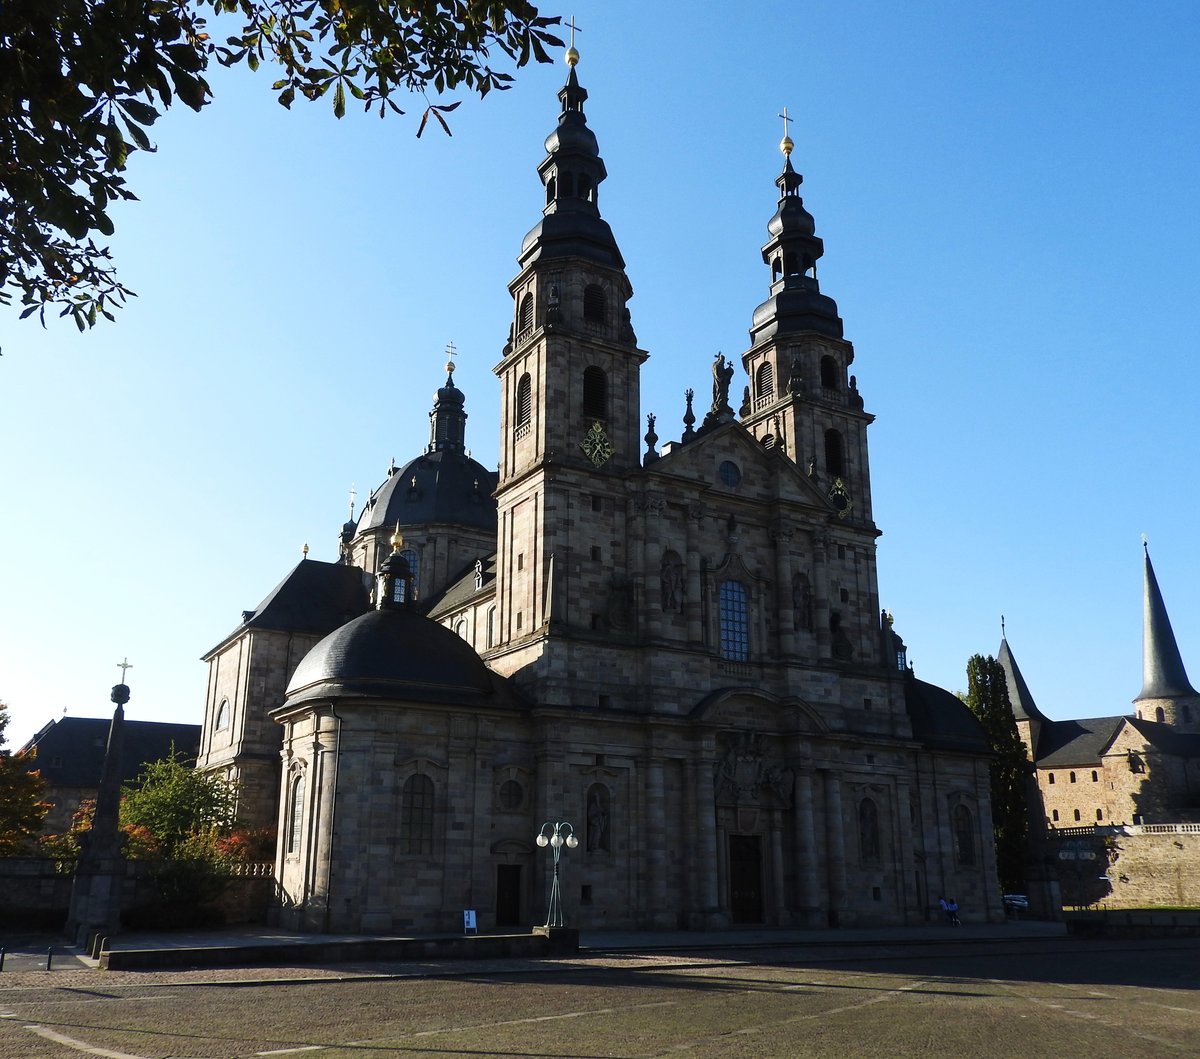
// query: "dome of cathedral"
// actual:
[[437, 487], [392, 654]]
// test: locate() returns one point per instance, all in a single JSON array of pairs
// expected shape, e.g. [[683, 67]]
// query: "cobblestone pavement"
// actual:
[[1049, 997]]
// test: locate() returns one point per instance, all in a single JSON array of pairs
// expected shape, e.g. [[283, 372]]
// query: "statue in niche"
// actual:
[[597, 818], [672, 583], [802, 602]]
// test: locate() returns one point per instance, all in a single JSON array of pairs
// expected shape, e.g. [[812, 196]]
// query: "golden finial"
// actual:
[[572, 54], [450, 351], [304, 550], [397, 540], [786, 145]]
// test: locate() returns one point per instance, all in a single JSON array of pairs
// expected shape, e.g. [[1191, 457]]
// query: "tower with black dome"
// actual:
[[570, 393], [442, 501]]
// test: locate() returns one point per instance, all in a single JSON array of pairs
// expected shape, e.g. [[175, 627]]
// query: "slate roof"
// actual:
[[441, 487], [942, 720], [70, 751], [1167, 739], [1019, 695], [1077, 742], [400, 655], [462, 588], [315, 597]]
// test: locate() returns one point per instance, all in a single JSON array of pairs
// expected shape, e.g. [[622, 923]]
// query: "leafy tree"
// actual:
[[21, 807], [172, 804], [82, 80], [987, 698]]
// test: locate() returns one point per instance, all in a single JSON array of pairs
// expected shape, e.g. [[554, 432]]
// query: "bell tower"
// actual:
[[570, 393], [802, 396]]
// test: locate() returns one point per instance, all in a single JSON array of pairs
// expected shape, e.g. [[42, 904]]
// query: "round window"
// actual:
[[730, 473]]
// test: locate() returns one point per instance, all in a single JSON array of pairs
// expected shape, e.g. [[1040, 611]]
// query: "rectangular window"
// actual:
[[595, 553], [734, 622]]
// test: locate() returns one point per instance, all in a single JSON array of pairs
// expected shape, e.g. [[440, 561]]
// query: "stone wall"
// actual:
[[1154, 865]]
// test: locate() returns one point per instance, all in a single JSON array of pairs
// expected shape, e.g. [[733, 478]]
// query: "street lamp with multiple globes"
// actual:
[[556, 836]]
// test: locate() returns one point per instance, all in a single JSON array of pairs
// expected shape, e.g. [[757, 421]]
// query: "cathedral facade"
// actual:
[[676, 648]]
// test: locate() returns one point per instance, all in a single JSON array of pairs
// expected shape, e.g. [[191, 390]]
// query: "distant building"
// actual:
[[70, 757], [1132, 779]]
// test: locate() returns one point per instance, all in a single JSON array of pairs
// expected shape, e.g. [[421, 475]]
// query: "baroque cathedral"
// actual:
[[676, 649]]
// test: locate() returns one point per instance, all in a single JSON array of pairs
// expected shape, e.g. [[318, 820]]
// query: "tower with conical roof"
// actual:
[[1028, 717], [570, 393], [1167, 695]]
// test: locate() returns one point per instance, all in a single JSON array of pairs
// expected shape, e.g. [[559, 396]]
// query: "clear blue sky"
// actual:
[[1008, 199]]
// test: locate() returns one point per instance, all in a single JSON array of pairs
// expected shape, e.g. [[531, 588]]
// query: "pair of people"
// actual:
[[950, 908]]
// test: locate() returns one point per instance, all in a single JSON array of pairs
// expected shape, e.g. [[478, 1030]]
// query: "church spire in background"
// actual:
[[1163, 675]]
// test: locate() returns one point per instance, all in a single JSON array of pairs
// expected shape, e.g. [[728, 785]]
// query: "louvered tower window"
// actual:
[[595, 393]]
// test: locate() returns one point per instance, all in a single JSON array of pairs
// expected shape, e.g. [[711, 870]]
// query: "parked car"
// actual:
[[1015, 903]]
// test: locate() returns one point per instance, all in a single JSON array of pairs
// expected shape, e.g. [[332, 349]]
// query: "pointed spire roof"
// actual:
[[1163, 675], [1019, 695], [448, 420]]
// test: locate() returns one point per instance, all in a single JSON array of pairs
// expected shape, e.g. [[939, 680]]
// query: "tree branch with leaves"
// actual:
[[82, 82]]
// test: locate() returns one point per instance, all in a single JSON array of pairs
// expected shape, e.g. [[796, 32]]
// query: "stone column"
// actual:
[[779, 900], [835, 847], [806, 848], [784, 603], [661, 911], [694, 607], [320, 913], [909, 896], [703, 865]]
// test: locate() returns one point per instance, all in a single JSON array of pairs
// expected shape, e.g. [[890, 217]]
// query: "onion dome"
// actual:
[[796, 302], [571, 173]]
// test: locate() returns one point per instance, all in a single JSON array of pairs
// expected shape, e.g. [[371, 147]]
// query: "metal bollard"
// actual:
[[49, 957], [1, 959]]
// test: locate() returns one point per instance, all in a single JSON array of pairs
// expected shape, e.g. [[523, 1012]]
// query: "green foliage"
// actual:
[[987, 698], [82, 81], [21, 807], [173, 802]]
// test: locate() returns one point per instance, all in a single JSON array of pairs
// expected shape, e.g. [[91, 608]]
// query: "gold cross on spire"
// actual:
[[450, 351], [122, 666], [572, 54], [786, 144]]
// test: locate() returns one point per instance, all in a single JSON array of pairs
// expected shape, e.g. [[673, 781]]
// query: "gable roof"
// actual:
[[1077, 742], [70, 751], [315, 597]]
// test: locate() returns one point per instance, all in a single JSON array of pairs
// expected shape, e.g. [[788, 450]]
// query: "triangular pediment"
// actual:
[[757, 473]]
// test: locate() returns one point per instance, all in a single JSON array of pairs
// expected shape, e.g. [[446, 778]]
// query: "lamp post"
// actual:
[[556, 836]]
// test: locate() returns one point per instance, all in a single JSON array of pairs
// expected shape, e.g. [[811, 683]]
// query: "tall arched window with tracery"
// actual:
[[416, 815], [295, 813], [734, 622]]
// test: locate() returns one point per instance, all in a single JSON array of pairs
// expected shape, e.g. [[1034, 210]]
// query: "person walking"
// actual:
[[952, 912]]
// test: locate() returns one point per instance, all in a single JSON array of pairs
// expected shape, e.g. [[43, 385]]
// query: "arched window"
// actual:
[[511, 795], [595, 304], [1095, 776], [599, 818], [776, 268], [734, 622], [584, 187], [523, 410], [868, 831], [525, 314], [964, 835], [460, 628], [1056, 816], [764, 384], [551, 190], [1099, 814], [1160, 714], [295, 813], [491, 627], [414, 567], [416, 815], [223, 715], [1076, 814], [835, 461], [1051, 777], [1072, 777], [595, 393], [830, 376]]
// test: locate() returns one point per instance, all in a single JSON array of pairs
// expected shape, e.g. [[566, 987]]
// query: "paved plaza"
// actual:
[[1037, 997]]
